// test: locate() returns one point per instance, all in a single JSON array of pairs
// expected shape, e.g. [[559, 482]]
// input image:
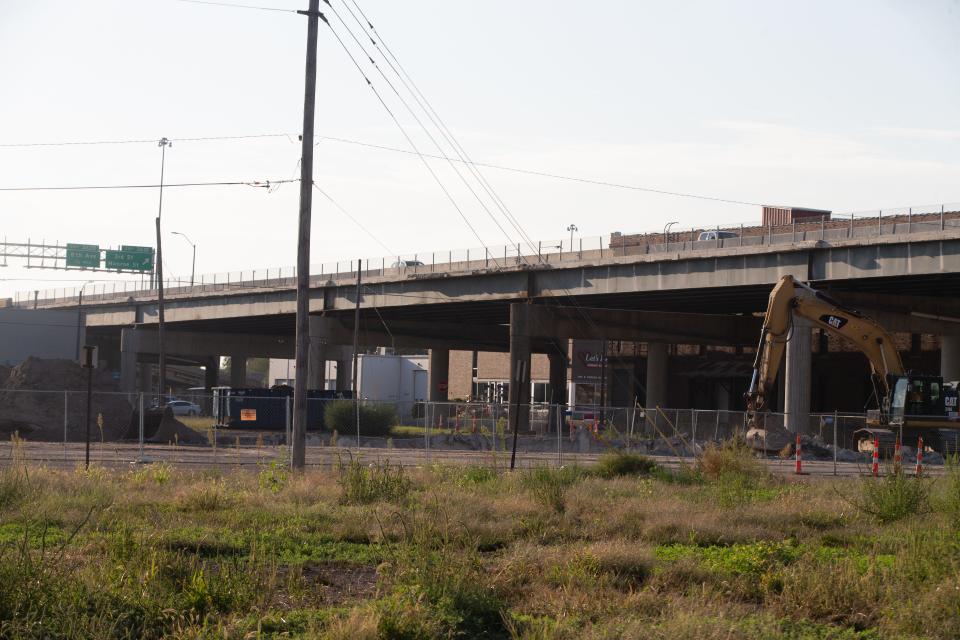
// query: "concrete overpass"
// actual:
[[691, 294]]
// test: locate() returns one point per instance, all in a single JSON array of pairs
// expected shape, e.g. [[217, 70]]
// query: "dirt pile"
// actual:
[[33, 402], [172, 431]]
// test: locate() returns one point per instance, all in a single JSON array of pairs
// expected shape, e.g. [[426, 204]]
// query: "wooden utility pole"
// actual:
[[299, 457]]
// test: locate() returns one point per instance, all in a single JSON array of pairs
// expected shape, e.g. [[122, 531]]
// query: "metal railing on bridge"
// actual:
[[909, 220]]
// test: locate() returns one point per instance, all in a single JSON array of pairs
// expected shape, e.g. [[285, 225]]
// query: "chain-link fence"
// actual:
[[65, 428]]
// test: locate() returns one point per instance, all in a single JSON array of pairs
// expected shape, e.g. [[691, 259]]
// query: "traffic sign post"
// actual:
[[85, 256]]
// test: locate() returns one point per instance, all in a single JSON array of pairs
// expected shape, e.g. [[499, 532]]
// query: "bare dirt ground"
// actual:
[[115, 455]]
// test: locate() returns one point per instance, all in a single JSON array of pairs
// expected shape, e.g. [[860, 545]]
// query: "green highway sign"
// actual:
[[136, 249], [128, 260], [83, 255]]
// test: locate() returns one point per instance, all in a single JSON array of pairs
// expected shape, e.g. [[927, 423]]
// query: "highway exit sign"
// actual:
[[130, 259], [85, 256]]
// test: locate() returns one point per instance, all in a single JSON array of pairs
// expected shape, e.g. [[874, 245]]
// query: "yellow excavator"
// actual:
[[919, 402]]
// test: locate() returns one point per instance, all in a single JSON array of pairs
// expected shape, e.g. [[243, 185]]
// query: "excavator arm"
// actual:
[[790, 299]]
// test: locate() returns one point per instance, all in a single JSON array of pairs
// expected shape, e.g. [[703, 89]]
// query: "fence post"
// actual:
[[910, 220], [834, 443], [66, 403], [693, 432], [559, 413], [287, 425], [880, 222], [941, 217], [140, 420]]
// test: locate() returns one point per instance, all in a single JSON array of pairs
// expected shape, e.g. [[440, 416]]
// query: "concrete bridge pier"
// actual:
[[238, 371], [950, 358], [796, 379], [520, 360], [657, 361], [322, 349], [558, 381], [344, 380], [439, 372]]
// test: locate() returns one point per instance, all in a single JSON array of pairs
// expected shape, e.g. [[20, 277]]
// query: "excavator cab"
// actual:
[[920, 395]]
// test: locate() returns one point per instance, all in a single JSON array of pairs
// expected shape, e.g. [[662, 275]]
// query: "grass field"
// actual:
[[624, 550]]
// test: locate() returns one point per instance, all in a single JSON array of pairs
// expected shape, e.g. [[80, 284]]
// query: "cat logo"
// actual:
[[834, 321]]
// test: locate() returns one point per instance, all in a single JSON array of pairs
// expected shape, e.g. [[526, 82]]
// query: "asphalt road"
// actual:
[[124, 455]]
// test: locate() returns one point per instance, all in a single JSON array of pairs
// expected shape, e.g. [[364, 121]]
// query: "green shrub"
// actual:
[[377, 482], [622, 463], [375, 420], [273, 477], [733, 456], [947, 498], [548, 486], [893, 497]]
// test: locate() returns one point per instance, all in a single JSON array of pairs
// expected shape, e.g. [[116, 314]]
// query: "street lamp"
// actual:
[[571, 229], [158, 267], [80, 315], [193, 266], [666, 233]]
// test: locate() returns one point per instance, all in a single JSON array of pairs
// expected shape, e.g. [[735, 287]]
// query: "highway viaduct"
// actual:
[[696, 295]]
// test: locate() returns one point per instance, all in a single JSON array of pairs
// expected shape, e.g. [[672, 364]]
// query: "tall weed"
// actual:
[[376, 482], [893, 497]]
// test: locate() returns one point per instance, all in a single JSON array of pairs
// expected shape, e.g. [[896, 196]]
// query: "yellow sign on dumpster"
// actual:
[[248, 415]]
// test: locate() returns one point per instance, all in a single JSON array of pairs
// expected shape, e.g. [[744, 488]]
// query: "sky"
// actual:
[[848, 106]]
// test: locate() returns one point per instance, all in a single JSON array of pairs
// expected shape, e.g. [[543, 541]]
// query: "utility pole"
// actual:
[[299, 452], [356, 348], [163, 144]]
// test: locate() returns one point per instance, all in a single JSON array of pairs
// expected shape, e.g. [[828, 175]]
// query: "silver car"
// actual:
[[184, 408]]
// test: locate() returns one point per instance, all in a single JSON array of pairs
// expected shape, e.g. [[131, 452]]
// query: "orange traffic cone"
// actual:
[[920, 456], [799, 457], [876, 456]]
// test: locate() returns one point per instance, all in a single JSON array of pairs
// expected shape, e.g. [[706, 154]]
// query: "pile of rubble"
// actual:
[[34, 404]]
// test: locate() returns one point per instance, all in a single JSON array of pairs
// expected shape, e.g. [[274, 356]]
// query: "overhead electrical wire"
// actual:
[[419, 122], [437, 121], [352, 219], [235, 5], [77, 143], [266, 184], [381, 147], [409, 140]]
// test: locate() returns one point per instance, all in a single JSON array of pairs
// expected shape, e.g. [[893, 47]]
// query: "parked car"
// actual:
[[406, 263], [715, 234], [184, 408]]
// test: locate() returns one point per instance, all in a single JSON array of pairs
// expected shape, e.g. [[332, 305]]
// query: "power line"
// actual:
[[238, 6], [77, 143], [406, 105], [545, 174], [407, 137], [267, 184], [352, 219], [438, 122]]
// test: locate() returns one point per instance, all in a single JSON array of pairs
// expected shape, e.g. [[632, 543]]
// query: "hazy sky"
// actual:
[[842, 105]]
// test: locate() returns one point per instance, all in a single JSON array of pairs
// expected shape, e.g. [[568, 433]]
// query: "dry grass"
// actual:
[[159, 552]]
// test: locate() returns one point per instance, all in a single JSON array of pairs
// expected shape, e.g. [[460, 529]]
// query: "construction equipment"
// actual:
[[912, 401]]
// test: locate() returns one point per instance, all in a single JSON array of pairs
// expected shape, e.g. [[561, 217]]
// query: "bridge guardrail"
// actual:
[[907, 221]]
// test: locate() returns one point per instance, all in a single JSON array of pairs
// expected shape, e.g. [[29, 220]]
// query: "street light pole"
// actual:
[[666, 233], [79, 315], [163, 144], [193, 264], [571, 228]]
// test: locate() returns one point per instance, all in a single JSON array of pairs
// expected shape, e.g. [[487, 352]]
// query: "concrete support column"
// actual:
[[145, 378], [796, 379], [129, 346], [211, 374], [520, 366], [950, 358], [238, 371], [657, 360], [439, 371], [558, 383], [317, 359], [344, 374], [128, 371]]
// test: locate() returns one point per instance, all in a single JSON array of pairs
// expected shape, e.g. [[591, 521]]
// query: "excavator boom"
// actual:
[[791, 299]]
